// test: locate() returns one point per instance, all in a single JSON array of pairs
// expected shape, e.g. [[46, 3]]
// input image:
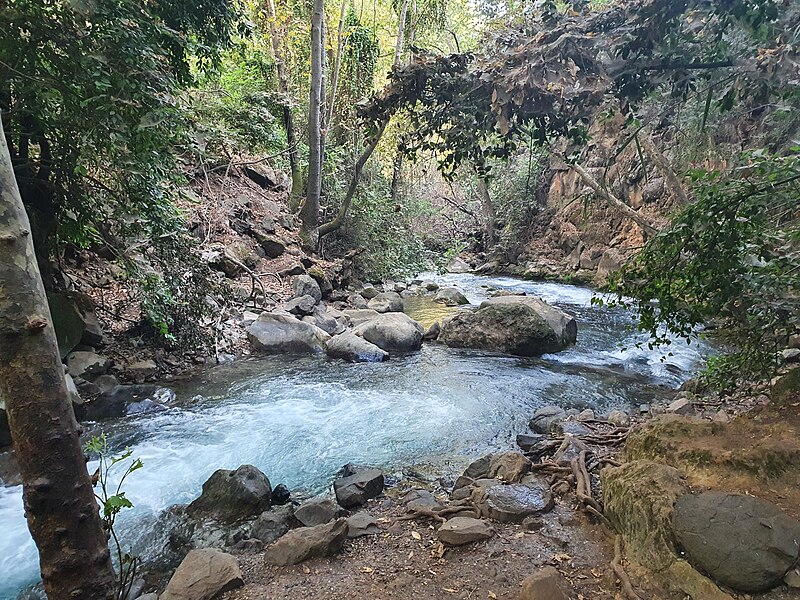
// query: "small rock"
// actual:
[[318, 511], [720, 417], [528, 441], [464, 530], [203, 575], [304, 305], [432, 332], [142, 369], [357, 301], [307, 542], [586, 414], [619, 418], [361, 524], [792, 578], [356, 485], [429, 285], [571, 427], [680, 406], [644, 409], [791, 355], [296, 269], [545, 419], [546, 584], [273, 246], [272, 524], [421, 500], [280, 495], [369, 292]]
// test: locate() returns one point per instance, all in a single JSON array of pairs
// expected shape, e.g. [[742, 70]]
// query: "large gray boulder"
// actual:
[[275, 333], [307, 542], [234, 495], [743, 542], [355, 485], [386, 302], [68, 321], [393, 332], [204, 574], [352, 348], [518, 325], [305, 285], [450, 297], [563, 324]]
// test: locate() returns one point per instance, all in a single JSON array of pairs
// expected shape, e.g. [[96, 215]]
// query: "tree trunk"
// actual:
[[309, 212], [59, 500], [288, 120], [337, 65], [489, 214], [397, 172], [336, 223], [401, 32], [614, 202], [673, 182]]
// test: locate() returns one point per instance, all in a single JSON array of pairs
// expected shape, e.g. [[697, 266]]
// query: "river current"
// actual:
[[299, 419]]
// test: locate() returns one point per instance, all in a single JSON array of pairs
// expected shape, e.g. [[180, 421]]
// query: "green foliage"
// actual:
[[732, 255], [112, 501], [88, 94]]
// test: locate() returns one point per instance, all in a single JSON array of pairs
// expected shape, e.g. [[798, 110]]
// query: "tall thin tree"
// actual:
[[309, 212], [59, 500]]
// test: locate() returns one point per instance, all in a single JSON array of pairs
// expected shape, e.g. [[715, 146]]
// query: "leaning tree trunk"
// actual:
[[309, 213], [59, 500]]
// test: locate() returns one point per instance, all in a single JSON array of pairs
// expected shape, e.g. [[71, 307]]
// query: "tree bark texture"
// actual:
[[489, 214], [309, 212], [59, 500], [288, 120], [614, 202]]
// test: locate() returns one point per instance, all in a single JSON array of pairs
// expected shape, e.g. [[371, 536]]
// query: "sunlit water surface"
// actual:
[[301, 418]]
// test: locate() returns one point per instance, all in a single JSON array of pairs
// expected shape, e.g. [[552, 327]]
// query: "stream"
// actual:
[[299, 419]]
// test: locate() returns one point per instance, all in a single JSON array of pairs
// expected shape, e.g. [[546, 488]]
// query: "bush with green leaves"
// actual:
[[731, 256]]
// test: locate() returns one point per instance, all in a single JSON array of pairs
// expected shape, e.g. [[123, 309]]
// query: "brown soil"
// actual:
[[407, 561]]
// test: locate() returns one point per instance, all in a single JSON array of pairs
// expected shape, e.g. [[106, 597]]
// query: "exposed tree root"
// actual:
[[619, 571]]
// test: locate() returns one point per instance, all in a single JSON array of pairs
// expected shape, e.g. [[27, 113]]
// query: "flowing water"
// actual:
[[301, 418]]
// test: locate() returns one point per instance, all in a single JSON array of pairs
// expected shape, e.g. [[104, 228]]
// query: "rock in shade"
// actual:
[[356, 485], [361, 524], [619, 418], [386, 302], [546, 584], [303, 305], [369, 292], [307, 542], [318, 511], [305, 285], [86, 365], [203, 575], [528, 441], [512, 503], [273, 523], [546, 419], [464, 530], [743, 542], [234, 495], [353, 348], [432, 333], [275, 333], [280, 495]]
